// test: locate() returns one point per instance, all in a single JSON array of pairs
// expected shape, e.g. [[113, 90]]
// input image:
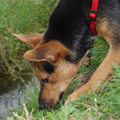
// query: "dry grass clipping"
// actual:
[[25, 115]]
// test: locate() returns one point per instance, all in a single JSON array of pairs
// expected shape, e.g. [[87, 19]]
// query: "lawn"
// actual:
[[31, 16]]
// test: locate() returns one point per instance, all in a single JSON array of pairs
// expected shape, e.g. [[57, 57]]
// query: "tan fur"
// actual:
[[50, 51], [63, 76], [102, 73], [55, 53], [99, 76], [31, 39]]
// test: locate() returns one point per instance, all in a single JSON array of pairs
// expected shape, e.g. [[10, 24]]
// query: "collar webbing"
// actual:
[[93, 16]]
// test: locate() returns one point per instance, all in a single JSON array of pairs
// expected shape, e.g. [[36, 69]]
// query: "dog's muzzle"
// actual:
[[42, 104]]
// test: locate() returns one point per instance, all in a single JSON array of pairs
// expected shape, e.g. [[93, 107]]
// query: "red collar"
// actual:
[[93, 16]]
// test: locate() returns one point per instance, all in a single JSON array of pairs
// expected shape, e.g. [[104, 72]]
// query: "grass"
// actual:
[[96, 106], [23, 16], [31, 16]]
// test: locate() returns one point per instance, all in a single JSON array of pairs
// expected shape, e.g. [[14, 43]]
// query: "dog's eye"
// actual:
[[45, 80]]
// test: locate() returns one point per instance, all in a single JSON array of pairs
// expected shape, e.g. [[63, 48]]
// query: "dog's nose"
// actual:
[[41, 105]]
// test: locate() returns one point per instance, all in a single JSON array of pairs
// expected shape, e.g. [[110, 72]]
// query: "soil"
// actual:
[[84, 79]]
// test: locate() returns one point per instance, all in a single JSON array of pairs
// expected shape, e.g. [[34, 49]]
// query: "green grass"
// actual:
[[31, 16], [21, 17], [96, 106]]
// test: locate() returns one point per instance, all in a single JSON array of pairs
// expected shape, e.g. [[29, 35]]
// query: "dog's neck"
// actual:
[[69, 25]]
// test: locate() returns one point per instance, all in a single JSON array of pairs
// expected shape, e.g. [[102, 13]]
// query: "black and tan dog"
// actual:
[[58, 54]]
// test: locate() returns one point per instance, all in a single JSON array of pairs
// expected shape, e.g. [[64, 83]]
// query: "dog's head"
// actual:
[[53, 70]]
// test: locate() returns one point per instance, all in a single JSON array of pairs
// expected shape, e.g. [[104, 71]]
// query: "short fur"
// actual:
[[58, 53]]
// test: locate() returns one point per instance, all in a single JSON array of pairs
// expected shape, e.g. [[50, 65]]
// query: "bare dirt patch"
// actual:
[[84, 79]]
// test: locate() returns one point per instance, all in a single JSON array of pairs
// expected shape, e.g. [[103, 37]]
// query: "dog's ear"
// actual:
[[31, 39], [50, 51]]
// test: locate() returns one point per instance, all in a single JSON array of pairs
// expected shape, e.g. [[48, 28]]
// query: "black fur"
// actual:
[[67, 25], [48, 67], [70, 24]]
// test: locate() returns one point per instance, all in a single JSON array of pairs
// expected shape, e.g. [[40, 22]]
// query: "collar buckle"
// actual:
[[93, 15]]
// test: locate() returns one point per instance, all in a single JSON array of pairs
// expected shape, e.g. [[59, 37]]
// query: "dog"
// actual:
[[58, 54]]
